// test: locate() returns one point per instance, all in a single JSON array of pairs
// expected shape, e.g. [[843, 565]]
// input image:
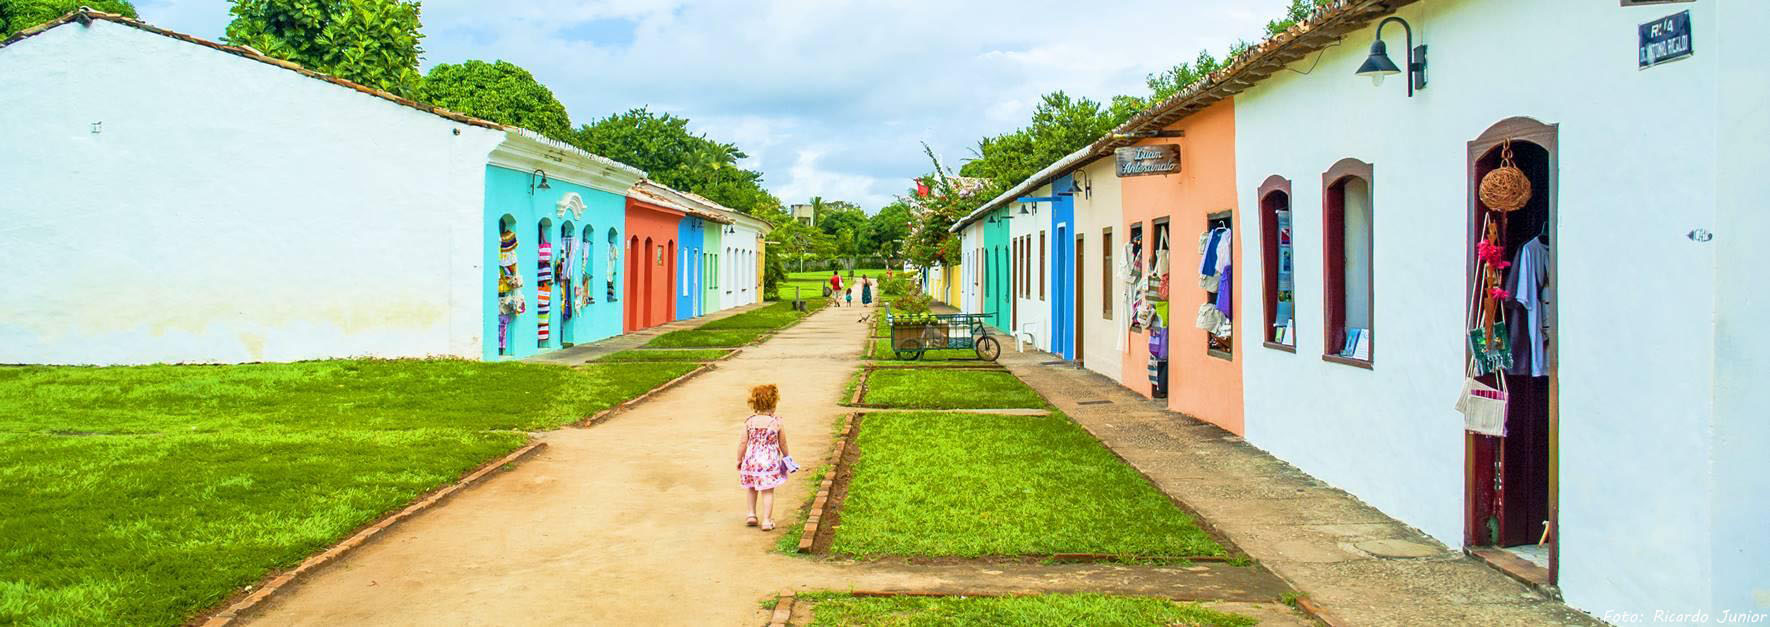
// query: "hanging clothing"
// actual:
[[544, 293], [1211, 241], [1528, 285], [510, 299], [1225, 297], [567, 293]]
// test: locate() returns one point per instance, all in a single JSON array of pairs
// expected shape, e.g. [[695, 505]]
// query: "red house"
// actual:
[[651, 261]]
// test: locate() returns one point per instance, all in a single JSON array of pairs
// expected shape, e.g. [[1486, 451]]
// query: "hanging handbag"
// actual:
[[1483, 407]]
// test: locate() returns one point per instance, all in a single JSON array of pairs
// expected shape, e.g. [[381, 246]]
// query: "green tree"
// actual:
[[371, 42], [930, 241], [888, 231], [17, 15], [1176, 79], [1060, 125], [499, 91], [1298, 11], [663, 146]]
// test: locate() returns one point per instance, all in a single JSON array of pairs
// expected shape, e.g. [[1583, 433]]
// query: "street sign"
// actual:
[[1665, 40], [1147, 160]]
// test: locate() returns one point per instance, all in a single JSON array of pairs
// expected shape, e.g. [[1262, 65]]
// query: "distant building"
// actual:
[[805, 214]]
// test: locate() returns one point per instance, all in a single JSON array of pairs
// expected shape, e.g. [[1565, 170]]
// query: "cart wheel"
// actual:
[[909, 350], [988, 349]]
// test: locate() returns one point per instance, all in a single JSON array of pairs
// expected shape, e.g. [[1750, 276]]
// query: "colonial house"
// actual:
[[172, 199]]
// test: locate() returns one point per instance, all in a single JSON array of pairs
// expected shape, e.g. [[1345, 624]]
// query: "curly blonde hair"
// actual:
[[764, 397]]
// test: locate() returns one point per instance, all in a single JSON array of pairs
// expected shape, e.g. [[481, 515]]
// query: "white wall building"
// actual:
[[169, 199], [1653, 466], [1099, 211]]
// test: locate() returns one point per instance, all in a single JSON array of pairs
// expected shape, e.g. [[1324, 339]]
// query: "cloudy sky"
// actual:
[[828, 97]]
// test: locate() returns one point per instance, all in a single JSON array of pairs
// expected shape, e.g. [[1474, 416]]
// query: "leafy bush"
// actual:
[[17, 15]]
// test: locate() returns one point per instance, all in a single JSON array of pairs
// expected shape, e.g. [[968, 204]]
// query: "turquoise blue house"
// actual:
[[544, 194], [691, 245]]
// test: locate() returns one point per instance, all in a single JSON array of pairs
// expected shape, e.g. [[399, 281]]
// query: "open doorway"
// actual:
[[1511, 485], [1078, 298]]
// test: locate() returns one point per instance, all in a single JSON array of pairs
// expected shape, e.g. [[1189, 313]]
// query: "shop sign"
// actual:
[[1146, 160], [1666, 39]]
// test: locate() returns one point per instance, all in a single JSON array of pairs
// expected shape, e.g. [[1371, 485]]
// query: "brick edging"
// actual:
[[276, 583], [603, 416], [860, 389], [821, 504], [1314, 611], [783, 610]]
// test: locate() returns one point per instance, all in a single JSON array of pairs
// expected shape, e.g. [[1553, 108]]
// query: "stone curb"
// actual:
[[783, 610], [277, 583], [821, 504], [603, 416], [860, 389]]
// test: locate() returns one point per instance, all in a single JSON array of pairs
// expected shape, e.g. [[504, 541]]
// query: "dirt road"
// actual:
[[639, 521]]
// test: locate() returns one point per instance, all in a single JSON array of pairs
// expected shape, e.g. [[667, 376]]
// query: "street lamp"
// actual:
[[1378, 65]]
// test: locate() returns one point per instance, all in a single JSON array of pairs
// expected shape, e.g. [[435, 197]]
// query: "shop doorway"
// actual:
[[1079, 298], [1510, 492]]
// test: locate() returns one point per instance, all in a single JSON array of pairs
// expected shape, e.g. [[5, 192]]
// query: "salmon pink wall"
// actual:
[[1199, 384], [650, 228]]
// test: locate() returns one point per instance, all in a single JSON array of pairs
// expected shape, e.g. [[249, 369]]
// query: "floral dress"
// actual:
[[762, 468]]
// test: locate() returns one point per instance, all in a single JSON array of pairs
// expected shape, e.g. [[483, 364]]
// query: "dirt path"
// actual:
[[639, 521]]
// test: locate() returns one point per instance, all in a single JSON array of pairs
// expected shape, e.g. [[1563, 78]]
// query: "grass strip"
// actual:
[[1051, 609], [938, 388], [696, 338], [773, 316], [688, 355], [143, 495], [941, 484]]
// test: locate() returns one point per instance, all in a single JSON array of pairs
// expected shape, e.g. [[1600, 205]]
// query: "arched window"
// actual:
[[1276, 264], [1349, 293]]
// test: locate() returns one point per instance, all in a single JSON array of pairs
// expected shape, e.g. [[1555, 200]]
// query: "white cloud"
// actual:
[[829, 97]]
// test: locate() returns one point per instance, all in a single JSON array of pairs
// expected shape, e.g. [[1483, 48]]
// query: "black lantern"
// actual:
[[1378, 65]]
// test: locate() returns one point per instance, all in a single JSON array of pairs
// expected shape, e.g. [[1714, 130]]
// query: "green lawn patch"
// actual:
[[672, 355], [938, 484], [774, 316], [697, 338], [1052, 609], [142, 495], [947, 388]]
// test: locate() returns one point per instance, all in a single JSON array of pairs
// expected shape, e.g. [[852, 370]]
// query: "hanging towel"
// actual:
[[1223, 251]]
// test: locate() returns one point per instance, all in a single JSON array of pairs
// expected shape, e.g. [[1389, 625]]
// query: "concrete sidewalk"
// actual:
[[631, 340], [1358, 566]]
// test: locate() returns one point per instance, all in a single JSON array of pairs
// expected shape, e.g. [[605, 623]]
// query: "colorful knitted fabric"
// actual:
[[544, 293]]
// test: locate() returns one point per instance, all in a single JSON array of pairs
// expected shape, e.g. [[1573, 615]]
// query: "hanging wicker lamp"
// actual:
[[1506, 188]]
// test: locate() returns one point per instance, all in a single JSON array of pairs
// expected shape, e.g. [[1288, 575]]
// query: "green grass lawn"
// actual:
[[947, 388], [812, 282], [970, 485], [143, 495], [772, 316], [1055, 609], [698, 338], [684, 355]]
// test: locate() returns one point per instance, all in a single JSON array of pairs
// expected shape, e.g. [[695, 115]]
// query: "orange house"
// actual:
[[1174, 212], [651, 264]]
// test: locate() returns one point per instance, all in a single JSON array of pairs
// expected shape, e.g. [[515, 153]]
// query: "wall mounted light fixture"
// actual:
[[1378, 65], [542, 185]]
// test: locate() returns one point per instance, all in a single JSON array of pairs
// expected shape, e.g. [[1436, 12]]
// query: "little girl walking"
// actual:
[[762, 455]]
